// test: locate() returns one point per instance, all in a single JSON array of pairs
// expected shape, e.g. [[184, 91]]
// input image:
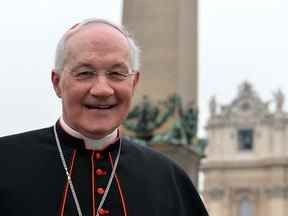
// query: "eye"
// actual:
[[81, 75], [117, 74]]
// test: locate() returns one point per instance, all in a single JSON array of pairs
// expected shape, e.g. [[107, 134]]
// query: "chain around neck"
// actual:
[[69, 179]]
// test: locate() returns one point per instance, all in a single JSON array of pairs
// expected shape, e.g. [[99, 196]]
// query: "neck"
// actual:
[[91, 144]]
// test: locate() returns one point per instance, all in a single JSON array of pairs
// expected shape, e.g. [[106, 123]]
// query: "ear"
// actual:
[[55, 78], [136, 79]]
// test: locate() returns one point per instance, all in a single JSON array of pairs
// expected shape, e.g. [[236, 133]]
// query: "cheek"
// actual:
[[72, 95], [126, 94]]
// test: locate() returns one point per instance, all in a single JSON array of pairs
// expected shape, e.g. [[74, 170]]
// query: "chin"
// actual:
[[99, 131]]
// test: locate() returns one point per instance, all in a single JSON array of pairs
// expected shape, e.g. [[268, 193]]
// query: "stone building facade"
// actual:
[[246, 165]]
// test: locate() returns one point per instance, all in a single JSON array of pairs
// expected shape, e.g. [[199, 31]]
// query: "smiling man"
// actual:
[[95, 79], [82, 165]]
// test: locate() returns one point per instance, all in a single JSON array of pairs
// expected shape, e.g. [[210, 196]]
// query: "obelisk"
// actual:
[[166, 31]]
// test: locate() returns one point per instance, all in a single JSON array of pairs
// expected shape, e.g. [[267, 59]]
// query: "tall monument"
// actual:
[[166, 31]]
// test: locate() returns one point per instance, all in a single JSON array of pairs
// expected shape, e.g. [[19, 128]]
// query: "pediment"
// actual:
[[247, 103]]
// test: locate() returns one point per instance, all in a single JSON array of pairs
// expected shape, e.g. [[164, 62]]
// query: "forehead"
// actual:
[[97, 41]]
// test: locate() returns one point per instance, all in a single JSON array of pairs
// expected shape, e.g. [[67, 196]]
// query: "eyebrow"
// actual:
[[119, 65], [90, 66], [77, 67]]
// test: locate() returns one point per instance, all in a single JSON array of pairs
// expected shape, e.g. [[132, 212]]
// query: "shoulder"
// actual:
[[149, 158], [29, 137], [155, 171], [144, 152]]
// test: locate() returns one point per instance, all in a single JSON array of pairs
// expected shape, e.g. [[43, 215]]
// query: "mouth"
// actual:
[[99, 107]]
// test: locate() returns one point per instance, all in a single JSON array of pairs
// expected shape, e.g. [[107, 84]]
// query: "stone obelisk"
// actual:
[[166, 31]]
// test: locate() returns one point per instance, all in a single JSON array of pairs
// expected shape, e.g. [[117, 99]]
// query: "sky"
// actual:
[[241, 40], [30, 31], [238, 40]]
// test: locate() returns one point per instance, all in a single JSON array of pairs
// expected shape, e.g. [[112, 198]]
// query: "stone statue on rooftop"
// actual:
[[279, 98], [213, 106]]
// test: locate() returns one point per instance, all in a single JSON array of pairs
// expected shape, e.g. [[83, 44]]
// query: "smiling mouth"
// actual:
[[100, 107]]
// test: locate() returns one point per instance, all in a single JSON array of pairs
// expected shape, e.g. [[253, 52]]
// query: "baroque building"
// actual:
[[246, 165]]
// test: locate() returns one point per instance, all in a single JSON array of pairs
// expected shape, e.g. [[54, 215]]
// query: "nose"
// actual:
[[101, 87]]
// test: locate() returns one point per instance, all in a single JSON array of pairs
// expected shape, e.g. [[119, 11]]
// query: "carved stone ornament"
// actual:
[[246, 110], [213, 106], [279, 100]]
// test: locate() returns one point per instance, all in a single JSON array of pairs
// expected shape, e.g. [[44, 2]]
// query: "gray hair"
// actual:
[[134, 55]]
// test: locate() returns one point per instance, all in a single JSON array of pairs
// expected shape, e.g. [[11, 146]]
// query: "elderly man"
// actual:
[[82, 165]]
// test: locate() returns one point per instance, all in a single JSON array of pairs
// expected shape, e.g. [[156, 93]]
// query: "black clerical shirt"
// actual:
[[33, 180]]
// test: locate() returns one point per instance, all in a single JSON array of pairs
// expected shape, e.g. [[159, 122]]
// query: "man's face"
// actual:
[[96, 105]]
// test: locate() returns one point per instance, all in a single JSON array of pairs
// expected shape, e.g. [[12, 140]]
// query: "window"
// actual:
[[245, 207], [245, 139]]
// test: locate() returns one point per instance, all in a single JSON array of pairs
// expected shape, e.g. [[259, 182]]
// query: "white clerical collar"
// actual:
[[91, 144]]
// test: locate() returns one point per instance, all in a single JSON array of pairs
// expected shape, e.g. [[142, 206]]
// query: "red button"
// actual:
[[103, 211], [100, 172], [100, 191], [97, 155]]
